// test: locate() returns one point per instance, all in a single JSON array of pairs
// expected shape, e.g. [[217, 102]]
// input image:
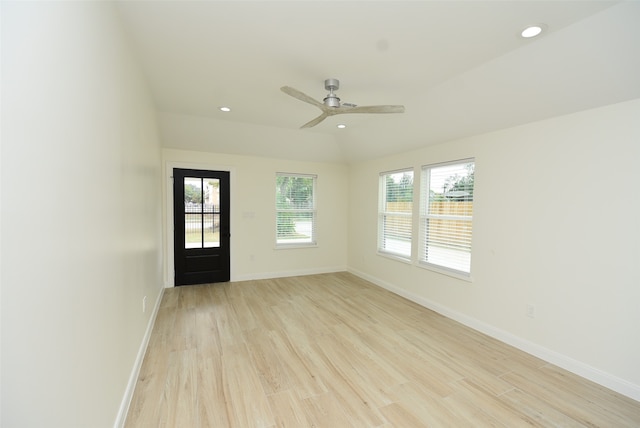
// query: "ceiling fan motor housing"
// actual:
[[332, 99]]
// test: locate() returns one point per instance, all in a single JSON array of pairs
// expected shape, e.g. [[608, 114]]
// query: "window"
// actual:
[[446, 210], [395, 213], [295, 210]]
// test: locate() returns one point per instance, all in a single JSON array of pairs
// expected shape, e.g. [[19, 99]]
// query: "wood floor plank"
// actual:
[[387, 372], [334, 350], [359, 374], [291, 325], [538, 410], [304, 380], [400, 415], [352, 396], [247, 404], [170, 298], [185, 390], [290, 410], [393, 349], [184, 329], [325, 411], [470, 394], [419, 402], [268, 364], [243, 313], [613, 405], [263, 313], [145, 404], [310, 321], [207, 334], [589, 410], [168, 403], [462, 359], [211, 411], [230, 332]]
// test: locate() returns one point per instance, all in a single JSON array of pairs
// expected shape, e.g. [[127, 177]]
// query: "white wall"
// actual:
[[556, 225], [81, 221], [253, 253]]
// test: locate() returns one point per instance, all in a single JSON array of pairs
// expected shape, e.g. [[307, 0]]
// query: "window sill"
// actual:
[[395, 257], [294, 246], [445, 271]]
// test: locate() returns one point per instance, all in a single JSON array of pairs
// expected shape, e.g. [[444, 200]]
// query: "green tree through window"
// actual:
[[295, 209]]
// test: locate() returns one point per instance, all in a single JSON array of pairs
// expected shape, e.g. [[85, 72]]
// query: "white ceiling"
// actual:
[[459, 67]]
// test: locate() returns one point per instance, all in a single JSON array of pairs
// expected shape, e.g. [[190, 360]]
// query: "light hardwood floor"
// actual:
[[333, 350]]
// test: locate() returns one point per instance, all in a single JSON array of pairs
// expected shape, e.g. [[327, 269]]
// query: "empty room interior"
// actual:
[[265, 213]]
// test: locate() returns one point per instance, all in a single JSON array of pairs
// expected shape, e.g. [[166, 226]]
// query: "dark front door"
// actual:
[[201, 226]]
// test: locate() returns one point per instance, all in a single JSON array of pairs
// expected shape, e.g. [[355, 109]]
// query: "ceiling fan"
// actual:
[[331, 103]]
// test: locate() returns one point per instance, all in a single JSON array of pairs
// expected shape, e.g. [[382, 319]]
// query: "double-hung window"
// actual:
[[295, 210], [446, 213], [395, 213]]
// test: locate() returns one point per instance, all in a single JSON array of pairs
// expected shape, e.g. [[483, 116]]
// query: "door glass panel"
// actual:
[[201, 212], [192, 230], [211, 213], [211, 230], [193, 194]]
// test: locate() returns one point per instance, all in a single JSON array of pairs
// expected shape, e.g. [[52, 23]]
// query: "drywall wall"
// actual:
[[555, 226], [253, 252], [81, 222]]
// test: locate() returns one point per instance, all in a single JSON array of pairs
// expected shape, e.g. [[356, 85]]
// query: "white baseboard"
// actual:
[[586, 371], [135, 372], [270, 275]]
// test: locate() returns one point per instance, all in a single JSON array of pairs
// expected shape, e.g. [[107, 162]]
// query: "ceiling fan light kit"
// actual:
[[331, 106]]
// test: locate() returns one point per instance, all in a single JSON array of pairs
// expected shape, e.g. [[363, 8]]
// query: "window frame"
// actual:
[[425, 216], [383, 214], [313, 211]]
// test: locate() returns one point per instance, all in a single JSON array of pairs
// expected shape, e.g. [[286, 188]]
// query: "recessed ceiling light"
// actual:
[[342, 126], [225, 109], [531, 31]]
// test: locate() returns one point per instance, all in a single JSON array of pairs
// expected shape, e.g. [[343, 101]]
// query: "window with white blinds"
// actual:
[[395, 213], [295, 210], [446, 213]]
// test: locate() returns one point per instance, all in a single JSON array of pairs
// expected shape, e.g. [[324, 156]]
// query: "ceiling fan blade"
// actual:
[[373, 109], [301, 96], [315, 121]]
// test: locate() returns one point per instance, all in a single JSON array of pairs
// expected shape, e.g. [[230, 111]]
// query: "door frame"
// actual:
[[169, 254]]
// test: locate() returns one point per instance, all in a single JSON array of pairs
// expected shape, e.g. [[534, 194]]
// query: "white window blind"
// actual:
[[446, 213], [295, 209], [395, 213]]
